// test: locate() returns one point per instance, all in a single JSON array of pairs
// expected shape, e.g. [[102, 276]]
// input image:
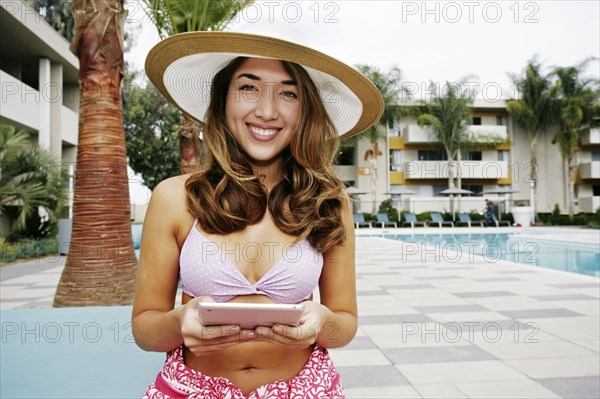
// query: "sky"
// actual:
[[430, 41], [437, 41]]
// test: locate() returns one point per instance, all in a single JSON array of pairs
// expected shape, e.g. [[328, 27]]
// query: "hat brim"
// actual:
[[183, 66]]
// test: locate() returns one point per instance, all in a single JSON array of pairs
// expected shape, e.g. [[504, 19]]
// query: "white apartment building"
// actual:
[[416, 161], [38, 82]]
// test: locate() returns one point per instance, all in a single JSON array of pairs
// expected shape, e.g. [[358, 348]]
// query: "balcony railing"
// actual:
[[589, 170], [346, 172], [413, 134], [590, 136], [467, 169]]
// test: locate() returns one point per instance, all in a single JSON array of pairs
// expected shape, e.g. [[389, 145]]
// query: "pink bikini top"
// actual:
[[205, 270]]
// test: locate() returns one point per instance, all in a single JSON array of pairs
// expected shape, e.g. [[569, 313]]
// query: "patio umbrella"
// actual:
[[500, 191], [400, 191], [352, 191], [455, 191]]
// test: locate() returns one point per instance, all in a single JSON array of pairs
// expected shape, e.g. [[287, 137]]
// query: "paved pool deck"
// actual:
[[431, 326]]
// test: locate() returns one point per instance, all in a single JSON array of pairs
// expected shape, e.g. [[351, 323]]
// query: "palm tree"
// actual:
[[29, 179], [390, 86], [178, 16], [535, 111], [101, 266], [447, 118], [577, 97]]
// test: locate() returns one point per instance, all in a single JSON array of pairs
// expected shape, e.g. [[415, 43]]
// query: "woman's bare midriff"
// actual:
[[250, 365]]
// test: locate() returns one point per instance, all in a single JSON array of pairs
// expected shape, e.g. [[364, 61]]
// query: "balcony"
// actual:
[[589, 204], [589, 170], [20, 102], [413, 134], [467, 169], [346, 172], [590, 136]]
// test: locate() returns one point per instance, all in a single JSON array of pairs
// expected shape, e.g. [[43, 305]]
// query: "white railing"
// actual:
[[346, 172], [590, 170], [436, 204], [414, 134], [590, 136], [20, 102]]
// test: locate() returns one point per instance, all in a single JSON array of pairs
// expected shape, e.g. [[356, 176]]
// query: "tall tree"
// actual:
[[151, 125], [390, 86], [178, 16], [447, 118], [535, 110], [578, 104], [101, 266]]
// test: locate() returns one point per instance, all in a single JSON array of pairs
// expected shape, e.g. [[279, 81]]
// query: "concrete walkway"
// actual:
[[430, 326]]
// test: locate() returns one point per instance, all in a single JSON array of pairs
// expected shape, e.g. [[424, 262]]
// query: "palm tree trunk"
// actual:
[[458, 180], [533, 141], [189, 144], [451, 178], [101, 264], [571, 191]]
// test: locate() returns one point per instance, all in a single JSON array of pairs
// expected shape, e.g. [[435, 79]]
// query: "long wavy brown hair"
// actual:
[[226, 195]]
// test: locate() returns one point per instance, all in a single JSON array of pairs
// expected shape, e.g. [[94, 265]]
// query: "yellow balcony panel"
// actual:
[[503, 147], [506, 180], [397, 177], [396, 143]]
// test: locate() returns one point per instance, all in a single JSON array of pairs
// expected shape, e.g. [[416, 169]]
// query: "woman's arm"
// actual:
[[157, 326], [337, 288], [155, 322]]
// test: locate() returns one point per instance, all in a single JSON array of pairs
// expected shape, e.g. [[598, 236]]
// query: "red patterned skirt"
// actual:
[[317, 380]]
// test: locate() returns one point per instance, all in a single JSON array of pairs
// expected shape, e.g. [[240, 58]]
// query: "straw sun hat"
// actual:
[[182, 68]]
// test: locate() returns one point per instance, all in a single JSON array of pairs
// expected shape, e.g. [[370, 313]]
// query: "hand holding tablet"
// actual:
[[248, 315]]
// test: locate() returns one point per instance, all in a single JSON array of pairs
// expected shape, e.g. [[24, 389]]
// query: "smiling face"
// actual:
[[262, 109]]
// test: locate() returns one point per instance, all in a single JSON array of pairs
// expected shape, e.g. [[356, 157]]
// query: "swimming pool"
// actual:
[[581, 258]]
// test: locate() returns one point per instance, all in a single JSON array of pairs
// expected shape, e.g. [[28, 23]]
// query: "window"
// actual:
[[472, 156], [345, 156], [396, 160], [501, 120], [477, 120], [596, 190], [595, 156], [432, 155], [503, 155]]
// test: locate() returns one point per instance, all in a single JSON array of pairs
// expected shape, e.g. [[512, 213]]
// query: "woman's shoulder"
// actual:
[[171, 191]]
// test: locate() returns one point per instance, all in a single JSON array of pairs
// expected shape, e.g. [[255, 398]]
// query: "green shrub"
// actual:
[[27, 249], [388, 208]]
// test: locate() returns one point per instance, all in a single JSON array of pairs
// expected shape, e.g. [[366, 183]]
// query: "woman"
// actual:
[[228, 231]]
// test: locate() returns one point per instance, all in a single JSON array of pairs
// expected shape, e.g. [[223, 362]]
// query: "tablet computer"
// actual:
[[248, 315]]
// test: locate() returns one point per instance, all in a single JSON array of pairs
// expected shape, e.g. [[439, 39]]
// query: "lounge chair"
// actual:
[[465, 218], [410, 218], [359, 221], [437, 218], [382, 218]]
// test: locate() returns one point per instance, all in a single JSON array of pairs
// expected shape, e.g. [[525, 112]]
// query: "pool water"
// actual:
[[569, 257]]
